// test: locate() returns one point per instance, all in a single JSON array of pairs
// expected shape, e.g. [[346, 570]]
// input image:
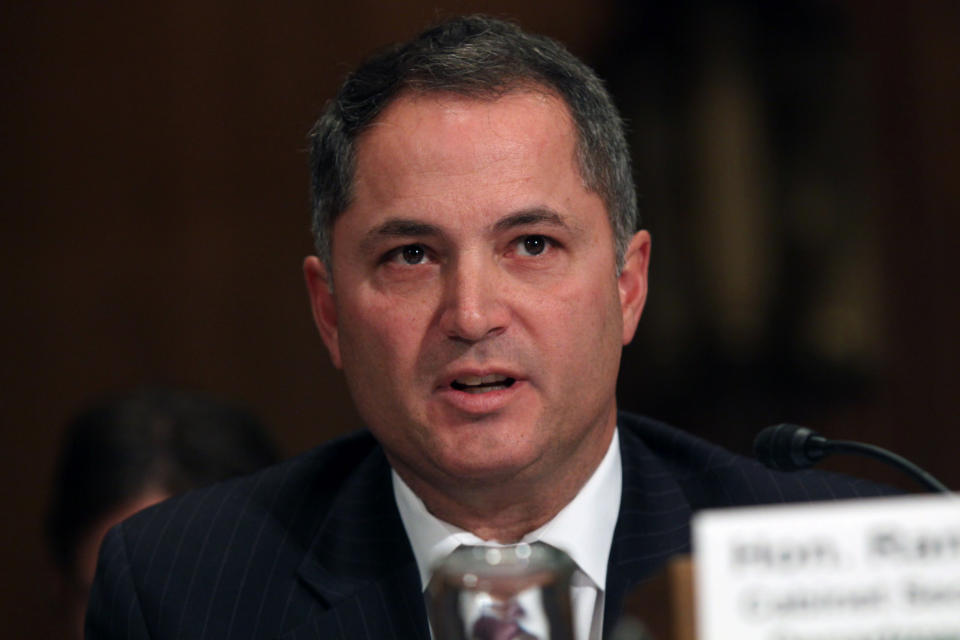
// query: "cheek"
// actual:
[[583, 327], [371, 367], [379, 334]]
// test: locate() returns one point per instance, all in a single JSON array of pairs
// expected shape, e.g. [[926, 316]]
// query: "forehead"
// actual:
[[424, 145]]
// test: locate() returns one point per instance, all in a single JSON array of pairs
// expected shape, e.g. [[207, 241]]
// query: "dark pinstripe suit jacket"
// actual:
[[314, 547]]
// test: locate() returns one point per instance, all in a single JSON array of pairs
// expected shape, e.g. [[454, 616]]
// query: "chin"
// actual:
[[485, 465]]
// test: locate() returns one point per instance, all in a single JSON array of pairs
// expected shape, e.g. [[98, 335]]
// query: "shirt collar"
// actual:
[[583, 528]]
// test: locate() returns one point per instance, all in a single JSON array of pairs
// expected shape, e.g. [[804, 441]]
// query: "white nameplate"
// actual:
[[872, 569]]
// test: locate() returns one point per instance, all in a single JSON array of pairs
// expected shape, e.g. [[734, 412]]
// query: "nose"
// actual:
[[473, 306]]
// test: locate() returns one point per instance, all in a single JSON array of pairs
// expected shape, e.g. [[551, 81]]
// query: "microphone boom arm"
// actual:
[[884, 455]]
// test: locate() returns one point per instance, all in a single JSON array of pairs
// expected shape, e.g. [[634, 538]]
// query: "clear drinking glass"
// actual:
[[516, 592]]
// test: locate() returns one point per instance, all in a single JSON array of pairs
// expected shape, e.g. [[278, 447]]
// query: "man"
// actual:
[[477, 274]]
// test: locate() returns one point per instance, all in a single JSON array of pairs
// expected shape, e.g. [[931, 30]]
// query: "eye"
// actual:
[[532, 245], [412, 254], [409, 254]]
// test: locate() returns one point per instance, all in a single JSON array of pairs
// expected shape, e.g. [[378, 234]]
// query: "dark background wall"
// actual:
[[154, 204]]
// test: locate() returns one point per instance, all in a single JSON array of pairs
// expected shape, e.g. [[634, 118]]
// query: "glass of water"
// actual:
[[515, 592]]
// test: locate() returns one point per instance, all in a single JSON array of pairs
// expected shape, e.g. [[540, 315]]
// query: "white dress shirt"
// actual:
[[583, 529]]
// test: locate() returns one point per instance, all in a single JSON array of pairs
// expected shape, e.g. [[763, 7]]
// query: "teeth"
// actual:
[[472, 381], [476, 390]]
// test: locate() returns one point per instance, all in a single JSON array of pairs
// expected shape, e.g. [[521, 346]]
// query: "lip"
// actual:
[[479, 403]]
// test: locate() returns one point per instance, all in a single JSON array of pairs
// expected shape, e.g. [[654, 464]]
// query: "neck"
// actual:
[[505, 509]]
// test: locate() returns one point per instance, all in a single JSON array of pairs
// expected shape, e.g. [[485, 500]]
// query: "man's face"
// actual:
[[476, 310]]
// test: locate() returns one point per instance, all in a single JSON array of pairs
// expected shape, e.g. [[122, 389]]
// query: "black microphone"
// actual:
[[789, 447]]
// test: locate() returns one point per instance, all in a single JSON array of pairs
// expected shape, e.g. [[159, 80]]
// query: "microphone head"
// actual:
[[789, 447]]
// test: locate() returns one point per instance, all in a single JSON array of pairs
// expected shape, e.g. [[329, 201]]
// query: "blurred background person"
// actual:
[[127, 452]]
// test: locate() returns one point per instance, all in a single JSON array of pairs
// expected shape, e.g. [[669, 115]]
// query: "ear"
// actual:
[[320, 290], [632, 283]]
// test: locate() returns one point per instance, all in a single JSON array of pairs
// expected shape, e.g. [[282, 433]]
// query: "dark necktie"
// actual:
[[503, 626]]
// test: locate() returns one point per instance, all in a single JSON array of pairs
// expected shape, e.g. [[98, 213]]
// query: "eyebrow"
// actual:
[[400, 228], [529, 217]]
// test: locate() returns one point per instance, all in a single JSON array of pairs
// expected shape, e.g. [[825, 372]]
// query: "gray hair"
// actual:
[[480, 57]]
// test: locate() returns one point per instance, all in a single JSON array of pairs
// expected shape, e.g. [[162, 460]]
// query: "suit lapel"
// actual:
[[361, 566], [390, 607], [654, 522]]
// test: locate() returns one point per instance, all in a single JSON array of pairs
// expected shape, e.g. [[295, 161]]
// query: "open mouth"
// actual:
[[485, 384]]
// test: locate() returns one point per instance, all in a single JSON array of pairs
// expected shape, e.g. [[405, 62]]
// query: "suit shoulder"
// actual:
[[711, 476], [286, 501], [235, 546]]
